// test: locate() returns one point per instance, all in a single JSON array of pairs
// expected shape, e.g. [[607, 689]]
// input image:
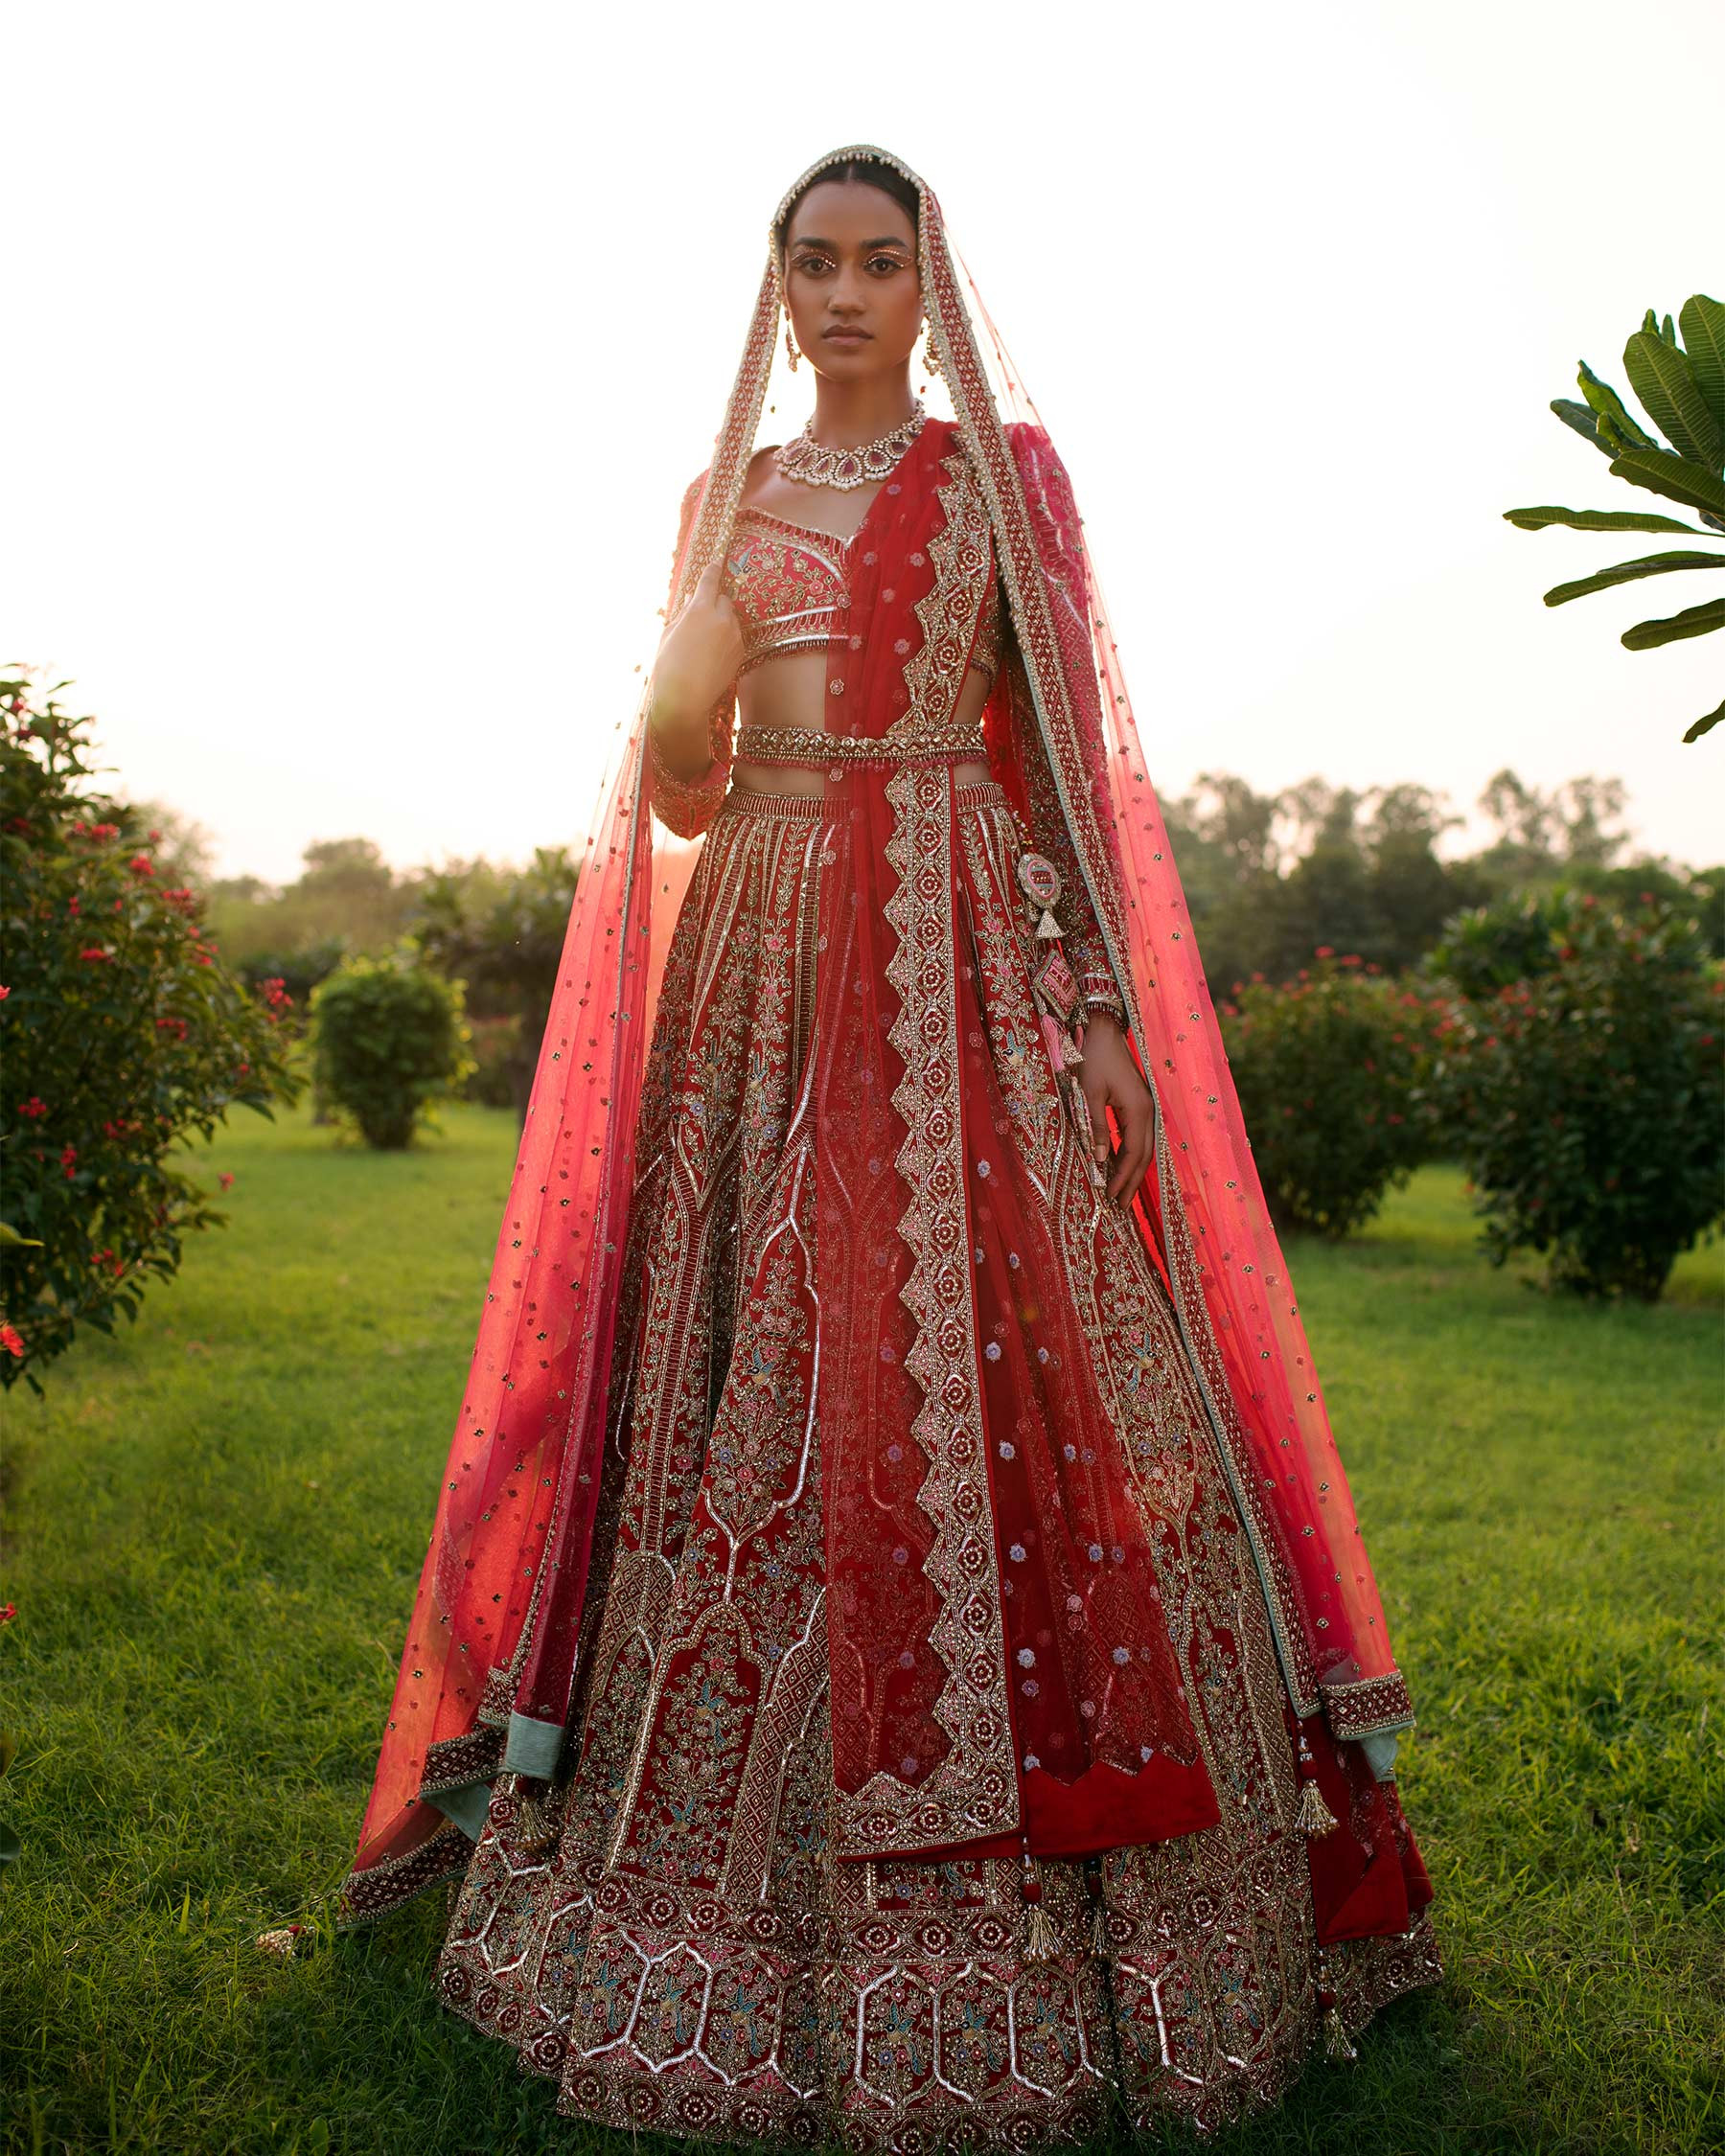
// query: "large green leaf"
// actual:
[[1610, 406], [1706, 725], [1693, 621], [1596, 521], [1673, 477], [1584, 419], [1666, 383], [1626, 572], [1703, 322]]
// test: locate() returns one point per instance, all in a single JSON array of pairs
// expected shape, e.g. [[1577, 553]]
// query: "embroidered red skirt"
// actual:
[[671, 1934]]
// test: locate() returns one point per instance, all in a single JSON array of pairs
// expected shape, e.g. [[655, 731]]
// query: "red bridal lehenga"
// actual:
[[896, 1661]]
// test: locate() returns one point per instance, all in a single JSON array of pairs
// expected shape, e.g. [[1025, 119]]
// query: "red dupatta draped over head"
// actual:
[[916, 1623]]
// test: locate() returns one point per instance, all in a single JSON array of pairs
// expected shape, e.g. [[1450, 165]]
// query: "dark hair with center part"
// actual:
[[871, 172]]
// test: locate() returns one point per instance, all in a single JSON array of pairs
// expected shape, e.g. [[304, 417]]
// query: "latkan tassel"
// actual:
[[535, 1824], [1335, 2045], [1315, 1817], [1048, 929], [1099, 1931], [1042, 1942]]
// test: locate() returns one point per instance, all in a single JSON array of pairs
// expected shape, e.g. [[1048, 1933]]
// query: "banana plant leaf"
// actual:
[[1703, 324], [1584, 419], [1626, 572], [1693, 621], [1662, 472], [1666, 383], [1605, 402], [1596, 521], [1706, 725]]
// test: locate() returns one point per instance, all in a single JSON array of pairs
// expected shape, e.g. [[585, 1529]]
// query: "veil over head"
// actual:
[[503, 1608]]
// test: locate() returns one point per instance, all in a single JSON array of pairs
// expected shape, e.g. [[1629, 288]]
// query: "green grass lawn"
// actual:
[[216, 1525]]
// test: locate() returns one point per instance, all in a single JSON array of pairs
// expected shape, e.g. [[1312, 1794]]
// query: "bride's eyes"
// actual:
[[817, 266]]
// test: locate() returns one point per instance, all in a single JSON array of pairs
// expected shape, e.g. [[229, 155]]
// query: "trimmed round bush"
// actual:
[[1329, 1069], [121, 1031], [1588, 1096], [389, 1040]]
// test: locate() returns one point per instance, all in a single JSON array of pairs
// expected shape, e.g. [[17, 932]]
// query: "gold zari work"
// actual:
[[687, 1951]]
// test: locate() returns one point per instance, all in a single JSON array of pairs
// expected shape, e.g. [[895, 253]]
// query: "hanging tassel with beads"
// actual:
[[1336, 2046], [1042, 1942], [1092, 1881], [1314, 1817], [1040, 881], [536, 1822]]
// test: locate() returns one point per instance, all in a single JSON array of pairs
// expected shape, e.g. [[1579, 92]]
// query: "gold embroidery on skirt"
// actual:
[[691, 1955]]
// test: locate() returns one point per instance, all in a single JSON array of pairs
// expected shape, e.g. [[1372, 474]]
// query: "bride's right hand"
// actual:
[[700, 657]]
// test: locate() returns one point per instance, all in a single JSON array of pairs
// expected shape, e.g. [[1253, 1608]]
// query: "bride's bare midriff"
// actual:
[[792, 692]]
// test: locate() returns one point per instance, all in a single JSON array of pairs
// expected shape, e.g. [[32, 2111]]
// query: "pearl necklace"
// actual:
[[813, 464]]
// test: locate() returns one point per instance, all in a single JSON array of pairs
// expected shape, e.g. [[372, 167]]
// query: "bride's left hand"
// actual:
[[1109, 1078]]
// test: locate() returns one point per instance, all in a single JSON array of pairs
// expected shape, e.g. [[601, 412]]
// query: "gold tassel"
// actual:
[[1335, 2045], [535, 1824], [1042, 1942], [1047, 927], [1315, 1817], [1099, 1931]]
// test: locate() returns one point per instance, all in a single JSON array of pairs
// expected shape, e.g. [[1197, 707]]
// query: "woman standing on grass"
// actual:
[[895, 1657]]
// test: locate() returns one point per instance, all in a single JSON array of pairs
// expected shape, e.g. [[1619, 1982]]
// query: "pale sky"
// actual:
[[360, 355]]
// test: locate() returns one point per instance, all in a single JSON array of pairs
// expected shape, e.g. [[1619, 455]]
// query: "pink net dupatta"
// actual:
[[487, 1673], [1203, 1210]]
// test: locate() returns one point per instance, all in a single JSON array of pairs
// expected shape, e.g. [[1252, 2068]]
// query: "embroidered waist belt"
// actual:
[[946, 743]]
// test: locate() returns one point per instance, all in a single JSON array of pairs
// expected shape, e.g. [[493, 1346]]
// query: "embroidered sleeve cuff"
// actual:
[[686, 805], [1376, 1704]]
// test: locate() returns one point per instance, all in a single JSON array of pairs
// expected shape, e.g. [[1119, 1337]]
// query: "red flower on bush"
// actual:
[[97, 954], [69, 1160], [8, 1610], [33, 1108], [141, 865], [12, 1342]]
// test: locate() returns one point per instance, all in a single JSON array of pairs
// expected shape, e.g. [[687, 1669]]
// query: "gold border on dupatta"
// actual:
[[973, 1791]]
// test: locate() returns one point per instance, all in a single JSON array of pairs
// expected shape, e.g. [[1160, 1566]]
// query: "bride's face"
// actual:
[[851, 279]]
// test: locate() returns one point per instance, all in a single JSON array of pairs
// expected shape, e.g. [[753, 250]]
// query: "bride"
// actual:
[[896, 1659]]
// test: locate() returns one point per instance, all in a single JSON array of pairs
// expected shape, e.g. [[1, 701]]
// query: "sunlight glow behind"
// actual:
[[360, 355]]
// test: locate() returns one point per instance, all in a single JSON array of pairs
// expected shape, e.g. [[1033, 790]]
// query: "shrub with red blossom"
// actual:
[[117, 1041], [1586, 1091], [1330, 1069]]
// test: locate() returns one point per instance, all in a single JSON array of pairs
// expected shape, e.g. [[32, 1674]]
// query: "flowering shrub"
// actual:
[[1589, 1096], [389, 1039], [121, 1031], [1329, 1071]]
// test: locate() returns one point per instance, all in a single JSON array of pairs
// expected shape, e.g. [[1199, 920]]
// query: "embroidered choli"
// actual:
[[790, 585]]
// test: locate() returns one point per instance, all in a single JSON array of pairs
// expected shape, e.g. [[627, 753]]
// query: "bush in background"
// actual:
[[501, 932], [1587, 1091], [1329, 1069], [123, 1031], [496, 1055], [389, 1039]]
